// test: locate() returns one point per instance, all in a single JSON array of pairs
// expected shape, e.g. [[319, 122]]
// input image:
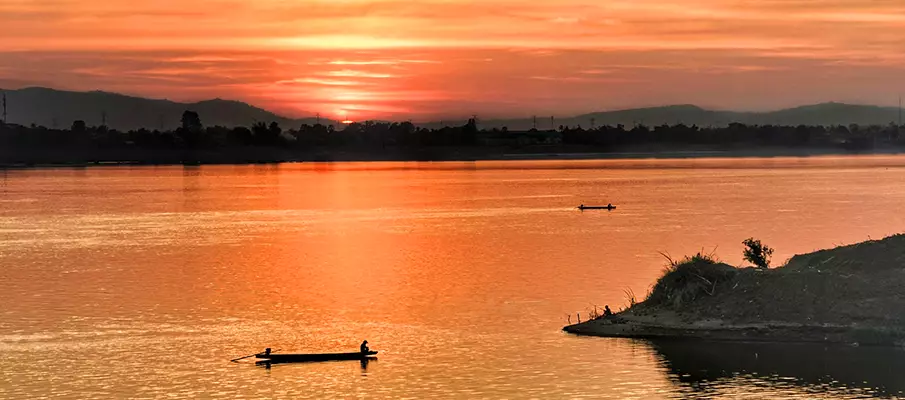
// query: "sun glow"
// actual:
[[384, 59], [344, 116]]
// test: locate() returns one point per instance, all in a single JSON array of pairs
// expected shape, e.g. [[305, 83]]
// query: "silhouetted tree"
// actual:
[[267, 135], [260, 132], [757, 253], [191, 132], [242, 136], [275, 129], [191, 121], [79, 126]]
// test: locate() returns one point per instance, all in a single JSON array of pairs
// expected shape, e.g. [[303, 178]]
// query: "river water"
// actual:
[[142, 282]]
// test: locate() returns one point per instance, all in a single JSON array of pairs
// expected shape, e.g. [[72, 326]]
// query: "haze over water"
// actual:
[[143, 282]]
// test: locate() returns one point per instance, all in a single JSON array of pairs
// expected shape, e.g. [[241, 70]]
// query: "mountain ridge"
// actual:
[[52, 107], [58, 108]]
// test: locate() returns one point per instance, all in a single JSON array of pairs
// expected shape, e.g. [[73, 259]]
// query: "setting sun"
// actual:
[[436, 59]]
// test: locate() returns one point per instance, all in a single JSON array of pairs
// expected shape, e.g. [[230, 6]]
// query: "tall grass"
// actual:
[[687, 279], [630, 298]]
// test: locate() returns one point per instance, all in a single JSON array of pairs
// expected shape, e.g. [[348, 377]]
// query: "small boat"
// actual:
[[608, 207], [277, 358]]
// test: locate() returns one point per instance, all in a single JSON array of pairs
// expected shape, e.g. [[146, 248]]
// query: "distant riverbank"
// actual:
[[849, 294], [48, 159]]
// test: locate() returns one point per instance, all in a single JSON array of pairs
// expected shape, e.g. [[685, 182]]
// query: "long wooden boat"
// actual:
[[583, 207], [277, 358]]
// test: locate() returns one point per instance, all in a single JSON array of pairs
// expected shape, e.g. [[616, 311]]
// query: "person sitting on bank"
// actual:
[[607, 312], [364, 347]]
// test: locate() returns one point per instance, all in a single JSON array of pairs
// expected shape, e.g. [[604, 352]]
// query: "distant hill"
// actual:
[[49, 107], [819, 114], [829, 114], [685, 114]]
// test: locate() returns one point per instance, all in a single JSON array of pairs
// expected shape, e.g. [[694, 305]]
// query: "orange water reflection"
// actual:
[[460, 273]]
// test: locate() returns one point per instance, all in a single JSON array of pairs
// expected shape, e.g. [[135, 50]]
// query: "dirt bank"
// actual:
[[851, 294]]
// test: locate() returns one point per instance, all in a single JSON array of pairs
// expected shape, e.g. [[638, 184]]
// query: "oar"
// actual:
[[251, 355], [242, 358]]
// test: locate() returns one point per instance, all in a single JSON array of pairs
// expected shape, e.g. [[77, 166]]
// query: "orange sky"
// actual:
[[442, 58]]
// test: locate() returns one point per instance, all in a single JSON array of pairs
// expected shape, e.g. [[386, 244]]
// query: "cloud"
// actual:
[[436, 56], [319, 81], [375, 24], [359, 74]]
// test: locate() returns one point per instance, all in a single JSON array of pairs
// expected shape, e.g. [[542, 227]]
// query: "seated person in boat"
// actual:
[[267, 352], [364, 347]]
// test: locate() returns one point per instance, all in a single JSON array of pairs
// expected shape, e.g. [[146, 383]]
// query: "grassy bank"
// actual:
[[850, 294]]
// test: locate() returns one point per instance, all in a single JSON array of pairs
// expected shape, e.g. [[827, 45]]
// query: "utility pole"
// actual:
[[318, 118], [103, 118], [552, 123], [593, 124], [4, 107]]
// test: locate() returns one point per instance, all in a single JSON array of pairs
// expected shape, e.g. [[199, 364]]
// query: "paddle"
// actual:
[[251, 355], [242, 358]]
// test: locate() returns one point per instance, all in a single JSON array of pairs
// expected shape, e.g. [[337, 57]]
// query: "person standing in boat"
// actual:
[[364, 347]]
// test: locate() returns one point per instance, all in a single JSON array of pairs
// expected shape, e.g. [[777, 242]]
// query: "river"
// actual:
[[143, 282]]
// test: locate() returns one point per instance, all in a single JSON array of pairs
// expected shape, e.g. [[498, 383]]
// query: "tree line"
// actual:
[[192, 134], [854, 137], [383, 136]]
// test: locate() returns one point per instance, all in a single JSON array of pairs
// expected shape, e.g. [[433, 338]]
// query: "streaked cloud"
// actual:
[[358, 74], [394, 57]]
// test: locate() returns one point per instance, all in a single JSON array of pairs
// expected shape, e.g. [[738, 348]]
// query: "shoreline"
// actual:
[[211, 158], [768, 332], [845, 295]]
